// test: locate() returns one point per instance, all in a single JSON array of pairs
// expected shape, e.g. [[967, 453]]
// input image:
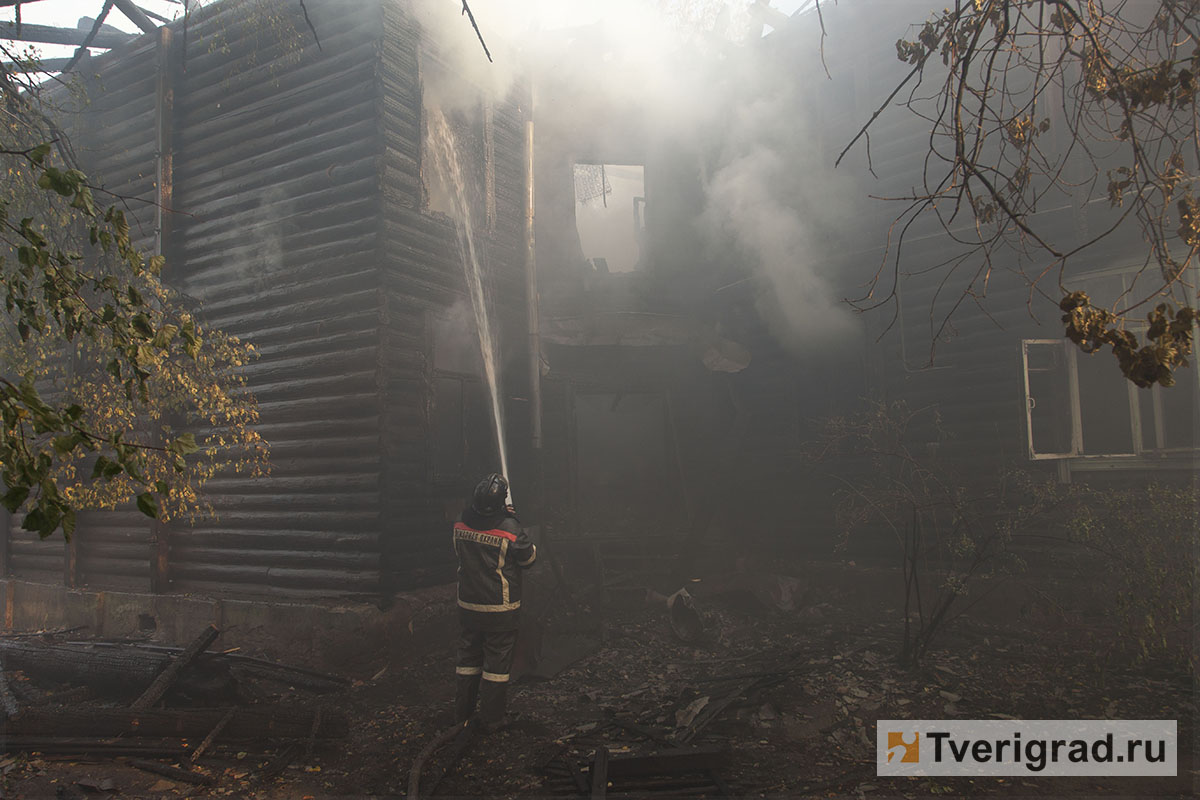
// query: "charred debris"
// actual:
[[177, 712]]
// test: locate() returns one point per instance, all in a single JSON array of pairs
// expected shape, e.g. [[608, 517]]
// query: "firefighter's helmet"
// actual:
[[489, 494]]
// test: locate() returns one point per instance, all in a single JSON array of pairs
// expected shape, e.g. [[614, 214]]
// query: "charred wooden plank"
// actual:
[[37, 65], [277, 765], [47, 34], [600, 773], [249, 724], [168, 676], [117, 671], [136, 15], [83, 746], [669, 762], [174, 773], [213, 734]]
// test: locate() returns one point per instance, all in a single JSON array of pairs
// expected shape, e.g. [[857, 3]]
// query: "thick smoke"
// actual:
[[694, 75]]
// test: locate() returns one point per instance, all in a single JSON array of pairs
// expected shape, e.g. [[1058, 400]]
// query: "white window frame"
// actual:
[[1136, 398], [1031, 401]]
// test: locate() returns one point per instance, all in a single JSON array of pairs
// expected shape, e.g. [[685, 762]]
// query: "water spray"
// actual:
[[444, 148]]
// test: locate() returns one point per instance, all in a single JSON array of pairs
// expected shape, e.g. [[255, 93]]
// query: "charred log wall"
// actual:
[[276, 167], [302, 228]]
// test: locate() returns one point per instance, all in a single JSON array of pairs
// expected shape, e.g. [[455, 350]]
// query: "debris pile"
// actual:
[[168, 710]]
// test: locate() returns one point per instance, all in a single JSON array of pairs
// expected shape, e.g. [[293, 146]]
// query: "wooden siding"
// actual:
[[276, 174]]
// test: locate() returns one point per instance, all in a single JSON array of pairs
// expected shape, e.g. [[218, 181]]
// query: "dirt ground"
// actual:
[[786, 692]]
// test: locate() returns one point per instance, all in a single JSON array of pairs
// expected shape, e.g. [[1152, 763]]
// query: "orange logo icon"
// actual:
[[910, 750]]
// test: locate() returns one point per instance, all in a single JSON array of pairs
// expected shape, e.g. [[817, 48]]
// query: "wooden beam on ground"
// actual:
[[600, 773], [214, 733], [46, 34], [279, 763], [135, 15], [666, 762], [174, 773], [83, 746], [168, 676], [250, 725]]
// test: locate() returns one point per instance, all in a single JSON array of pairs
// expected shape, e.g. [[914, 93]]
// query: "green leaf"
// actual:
[[39, 522], [65, 444], [14, 497], [38, 154], [68, 523], [185, 444], [99, 467], [142, 326], [166, 334], [148, 504]]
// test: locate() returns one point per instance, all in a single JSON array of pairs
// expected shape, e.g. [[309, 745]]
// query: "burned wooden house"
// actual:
[[651, 393]]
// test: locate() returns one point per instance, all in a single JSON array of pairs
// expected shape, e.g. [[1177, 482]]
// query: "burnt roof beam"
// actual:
[[39, 65], [135, 15], [46, 34]]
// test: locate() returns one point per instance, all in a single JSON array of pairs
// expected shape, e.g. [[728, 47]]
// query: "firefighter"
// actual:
[[492, 551]]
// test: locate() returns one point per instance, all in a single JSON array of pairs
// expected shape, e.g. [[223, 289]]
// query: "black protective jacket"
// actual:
[[492, 552]]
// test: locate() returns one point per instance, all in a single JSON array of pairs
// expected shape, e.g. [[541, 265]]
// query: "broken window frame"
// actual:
[[428, 62]]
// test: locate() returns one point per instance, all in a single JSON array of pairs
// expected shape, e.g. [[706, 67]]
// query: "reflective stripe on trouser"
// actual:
[[492, 653]]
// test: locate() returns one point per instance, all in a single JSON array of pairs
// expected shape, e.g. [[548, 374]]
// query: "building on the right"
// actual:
[[960, 300]]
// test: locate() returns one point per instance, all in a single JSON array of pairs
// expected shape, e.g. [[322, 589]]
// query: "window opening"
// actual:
[[610, 215]]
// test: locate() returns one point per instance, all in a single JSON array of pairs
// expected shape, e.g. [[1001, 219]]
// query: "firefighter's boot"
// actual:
[[466, 697], [493, 696]]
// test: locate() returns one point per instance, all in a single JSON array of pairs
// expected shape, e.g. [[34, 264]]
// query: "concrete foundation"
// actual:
[[349, 638]]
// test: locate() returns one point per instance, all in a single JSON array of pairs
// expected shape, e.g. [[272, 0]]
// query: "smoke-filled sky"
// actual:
[[545, 14]]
